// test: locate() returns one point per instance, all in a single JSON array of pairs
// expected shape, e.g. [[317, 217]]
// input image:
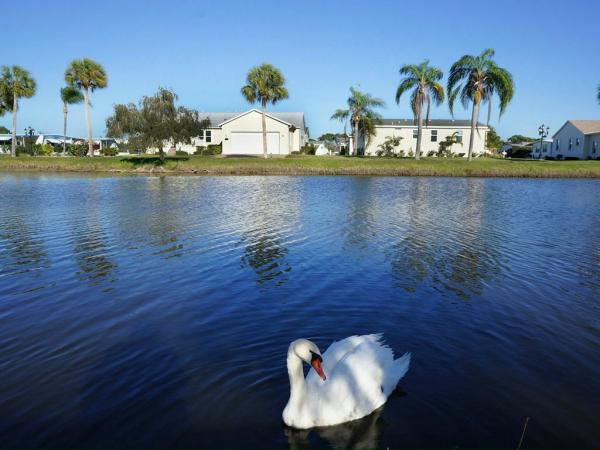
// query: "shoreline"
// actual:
[[305, 166]]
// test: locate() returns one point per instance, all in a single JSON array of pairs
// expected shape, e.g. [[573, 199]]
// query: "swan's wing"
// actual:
[[339, 349]]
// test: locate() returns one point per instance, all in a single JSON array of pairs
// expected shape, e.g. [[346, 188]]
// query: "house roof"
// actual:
[[432, 123], [217, 118], [587, 126]]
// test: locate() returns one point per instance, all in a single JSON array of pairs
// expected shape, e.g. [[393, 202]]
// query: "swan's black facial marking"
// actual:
[[315, 356]]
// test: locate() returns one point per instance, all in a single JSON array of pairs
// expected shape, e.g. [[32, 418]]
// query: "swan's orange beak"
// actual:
[[316, 364]]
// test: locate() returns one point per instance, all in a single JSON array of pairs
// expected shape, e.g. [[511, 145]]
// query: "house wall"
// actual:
[[593, 145], [547, 148], [576, 149], [252, 122], [409, 142]]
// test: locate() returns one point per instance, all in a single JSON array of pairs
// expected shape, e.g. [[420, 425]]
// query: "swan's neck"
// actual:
[[297, 389]]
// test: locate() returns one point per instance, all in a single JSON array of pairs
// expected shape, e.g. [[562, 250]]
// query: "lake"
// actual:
[[156, 312]]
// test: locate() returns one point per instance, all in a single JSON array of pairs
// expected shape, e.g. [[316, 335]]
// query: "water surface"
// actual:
[[156, 312]]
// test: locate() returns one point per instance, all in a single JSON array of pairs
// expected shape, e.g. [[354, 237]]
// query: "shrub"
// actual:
[[308, 149], [200, 150], [388, 147], [181, 153], [214, 149], [23, 150], [109, 151], [77, 149]]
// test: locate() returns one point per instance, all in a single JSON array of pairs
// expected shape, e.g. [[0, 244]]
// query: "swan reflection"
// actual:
[[362, 433]]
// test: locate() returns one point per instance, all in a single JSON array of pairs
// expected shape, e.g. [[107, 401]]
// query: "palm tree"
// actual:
[[360, 114], [87, 76], [476, 79], [423, 79], [15, 83], [264, 84], [599, 93], [69, 95]]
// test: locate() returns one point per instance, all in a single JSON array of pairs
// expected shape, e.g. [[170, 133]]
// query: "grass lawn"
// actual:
[[307, 165]]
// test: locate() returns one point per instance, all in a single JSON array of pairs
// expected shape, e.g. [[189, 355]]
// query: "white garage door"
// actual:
[[252, 144]]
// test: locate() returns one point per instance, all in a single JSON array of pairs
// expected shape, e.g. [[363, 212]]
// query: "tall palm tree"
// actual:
[[361, 115], [599, 93], [423, 79], [264, 84], [69, 95], [15, 83], [476, 79], [87, 76]]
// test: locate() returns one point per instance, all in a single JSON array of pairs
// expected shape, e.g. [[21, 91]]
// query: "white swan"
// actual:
[[357, 374]]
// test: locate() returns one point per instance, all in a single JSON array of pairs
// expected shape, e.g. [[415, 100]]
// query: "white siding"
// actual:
[[569, 142], [409, 143]]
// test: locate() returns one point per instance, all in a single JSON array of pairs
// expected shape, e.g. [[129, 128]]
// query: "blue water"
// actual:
[[156, 312]]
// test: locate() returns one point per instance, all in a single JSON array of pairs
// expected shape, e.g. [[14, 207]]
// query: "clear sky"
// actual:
[[203, 50]]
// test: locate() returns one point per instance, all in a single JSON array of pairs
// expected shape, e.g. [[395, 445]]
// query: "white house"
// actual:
[[321, 149], [241, 133], [577, 139], [546, 145], [433, 134]]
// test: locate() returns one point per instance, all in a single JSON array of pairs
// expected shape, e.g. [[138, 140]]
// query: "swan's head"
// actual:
[[308, 352]]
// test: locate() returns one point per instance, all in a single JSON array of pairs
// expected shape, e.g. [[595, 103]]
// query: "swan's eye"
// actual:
[[314, 356]]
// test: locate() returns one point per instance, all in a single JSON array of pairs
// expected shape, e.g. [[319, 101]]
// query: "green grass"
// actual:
[[308, 165]]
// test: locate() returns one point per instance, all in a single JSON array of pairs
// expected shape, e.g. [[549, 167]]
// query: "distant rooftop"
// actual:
[[217, 118], [432, 123]]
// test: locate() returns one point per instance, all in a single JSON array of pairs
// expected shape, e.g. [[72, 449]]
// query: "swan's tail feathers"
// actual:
[[394, 373]]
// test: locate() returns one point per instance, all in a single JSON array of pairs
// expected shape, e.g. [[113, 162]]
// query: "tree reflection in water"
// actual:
[[268, 217], [464, 258], [359, 434], [90, 243]]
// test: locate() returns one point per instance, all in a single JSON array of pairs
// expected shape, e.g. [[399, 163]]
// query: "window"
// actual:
[[415, 134], [570, 143], [557, 144], [594, 147], [545, 150], [208, 136], [433, 135], [577, 141], [459, 137], [201, 136]]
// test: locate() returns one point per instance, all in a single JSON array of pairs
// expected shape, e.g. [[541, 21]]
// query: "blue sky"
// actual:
[[203, 50]]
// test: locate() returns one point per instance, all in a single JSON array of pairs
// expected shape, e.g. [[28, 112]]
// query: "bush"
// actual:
[[77, 149], [181, 153], [23, 150], [214, 149], [109, 151], [307, 149], [200, 150]]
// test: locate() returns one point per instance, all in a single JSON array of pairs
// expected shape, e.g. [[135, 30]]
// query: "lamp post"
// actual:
[[543, 132]]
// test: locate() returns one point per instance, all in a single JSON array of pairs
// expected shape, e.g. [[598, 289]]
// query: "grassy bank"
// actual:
[[309, 165]]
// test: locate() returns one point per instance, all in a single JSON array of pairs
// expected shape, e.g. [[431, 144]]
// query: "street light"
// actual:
[[543, 132]]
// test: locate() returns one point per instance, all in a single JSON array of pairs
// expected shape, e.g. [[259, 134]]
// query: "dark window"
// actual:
[[459, 136], [577, 141], [201, 136], [433, 135], [208, 136], [415, 134], [570, 143]]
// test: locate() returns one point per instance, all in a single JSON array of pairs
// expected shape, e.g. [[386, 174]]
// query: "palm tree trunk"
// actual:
[[473, 126], [65, 112], [87, 122], [419, 130], [264, 126], [355, 128], [13, 147]]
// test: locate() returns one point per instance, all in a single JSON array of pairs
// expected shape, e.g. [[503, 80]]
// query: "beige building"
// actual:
[[433, 134], [241, 133]]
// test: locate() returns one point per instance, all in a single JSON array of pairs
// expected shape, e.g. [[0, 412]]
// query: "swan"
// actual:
[[353, 378]]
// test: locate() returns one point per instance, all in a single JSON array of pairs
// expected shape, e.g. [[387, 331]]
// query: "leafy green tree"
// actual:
[[154, 122], [264, 84], [15, 83], [493, 140], [475, 79], [87, 76], [517, 138], [69, 95], [423, 80], [4, 130], [361, 115]]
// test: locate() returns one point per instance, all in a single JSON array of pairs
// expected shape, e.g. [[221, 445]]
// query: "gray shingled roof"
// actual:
[[217, 118], [587, 126], [432, 122]]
